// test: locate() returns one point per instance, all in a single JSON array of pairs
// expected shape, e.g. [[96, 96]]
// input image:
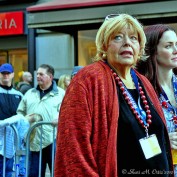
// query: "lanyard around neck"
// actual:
[[140, 114], [138, 107]]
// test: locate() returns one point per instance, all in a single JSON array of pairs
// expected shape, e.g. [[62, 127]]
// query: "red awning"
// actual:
[[70, 4]]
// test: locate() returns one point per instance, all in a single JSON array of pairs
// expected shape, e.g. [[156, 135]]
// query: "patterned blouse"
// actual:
[[169, 111]]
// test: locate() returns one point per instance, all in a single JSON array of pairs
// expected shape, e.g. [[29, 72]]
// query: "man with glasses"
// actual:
[[9, 101]]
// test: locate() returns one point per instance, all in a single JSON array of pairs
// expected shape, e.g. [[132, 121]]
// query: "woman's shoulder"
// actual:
[[94, 73], [96, 68]]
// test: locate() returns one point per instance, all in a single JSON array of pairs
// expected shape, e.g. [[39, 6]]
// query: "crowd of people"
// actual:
[[24, 106], [115, 117]]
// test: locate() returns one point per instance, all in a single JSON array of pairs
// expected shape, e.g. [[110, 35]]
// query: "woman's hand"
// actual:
[[55, 122]]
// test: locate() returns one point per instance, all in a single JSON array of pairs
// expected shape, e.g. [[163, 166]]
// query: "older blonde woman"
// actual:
[[111, 122]]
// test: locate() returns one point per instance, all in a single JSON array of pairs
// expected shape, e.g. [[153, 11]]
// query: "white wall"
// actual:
[[57, 50]]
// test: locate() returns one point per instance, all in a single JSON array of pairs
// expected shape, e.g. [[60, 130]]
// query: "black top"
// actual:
[[24, 87], [44, 92], [131, 160]]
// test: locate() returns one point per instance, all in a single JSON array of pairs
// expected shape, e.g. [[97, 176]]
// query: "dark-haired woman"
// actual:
[[158, 67]]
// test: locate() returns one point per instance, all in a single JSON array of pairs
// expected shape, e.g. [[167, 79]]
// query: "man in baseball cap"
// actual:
[[9, 100], [6, 67], [6, 74], [75, 70]]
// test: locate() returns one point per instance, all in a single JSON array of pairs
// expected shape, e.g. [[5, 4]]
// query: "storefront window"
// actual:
[[3, 57], [19, 60], [86, 46]]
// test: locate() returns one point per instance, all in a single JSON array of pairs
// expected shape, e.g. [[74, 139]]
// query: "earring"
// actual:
[[104, 55], [139, 57]]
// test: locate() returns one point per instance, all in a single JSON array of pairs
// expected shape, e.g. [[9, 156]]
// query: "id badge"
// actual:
[[150, 146], [174, 156]]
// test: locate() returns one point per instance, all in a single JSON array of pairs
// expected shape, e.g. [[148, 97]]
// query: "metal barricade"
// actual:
[[39, 124], [17, 150]]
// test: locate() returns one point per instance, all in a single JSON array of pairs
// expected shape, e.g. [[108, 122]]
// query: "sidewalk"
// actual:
[[47, 174]]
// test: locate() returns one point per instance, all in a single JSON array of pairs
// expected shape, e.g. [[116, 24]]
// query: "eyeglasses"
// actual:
[[111, 16]]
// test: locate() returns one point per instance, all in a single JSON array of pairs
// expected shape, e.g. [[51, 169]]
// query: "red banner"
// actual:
[[11, 23]]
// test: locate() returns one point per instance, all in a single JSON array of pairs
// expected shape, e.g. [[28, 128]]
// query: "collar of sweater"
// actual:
[[6, 87]]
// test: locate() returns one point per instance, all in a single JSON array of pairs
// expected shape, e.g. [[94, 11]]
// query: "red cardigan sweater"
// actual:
[[88, 122]]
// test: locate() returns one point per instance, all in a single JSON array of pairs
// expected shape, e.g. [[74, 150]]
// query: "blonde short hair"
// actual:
[[61, 81], [114, 24]]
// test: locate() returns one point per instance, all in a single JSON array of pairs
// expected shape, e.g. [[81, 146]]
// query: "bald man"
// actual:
[[25, 85]]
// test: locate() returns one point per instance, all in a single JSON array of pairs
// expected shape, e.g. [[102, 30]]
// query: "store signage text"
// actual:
[[11, 23]]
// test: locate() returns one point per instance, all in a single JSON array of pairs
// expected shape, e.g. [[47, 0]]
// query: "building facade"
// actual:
[[14, 34], [62, 33]]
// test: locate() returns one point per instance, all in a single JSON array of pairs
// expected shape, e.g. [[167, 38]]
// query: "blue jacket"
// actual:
[[9, 101]]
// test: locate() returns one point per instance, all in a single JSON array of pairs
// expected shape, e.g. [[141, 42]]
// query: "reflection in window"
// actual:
[[3, 57], [18, 58], [86, 46]]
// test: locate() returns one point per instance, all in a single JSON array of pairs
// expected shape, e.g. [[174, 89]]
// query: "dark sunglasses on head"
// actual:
[[111, 16]]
